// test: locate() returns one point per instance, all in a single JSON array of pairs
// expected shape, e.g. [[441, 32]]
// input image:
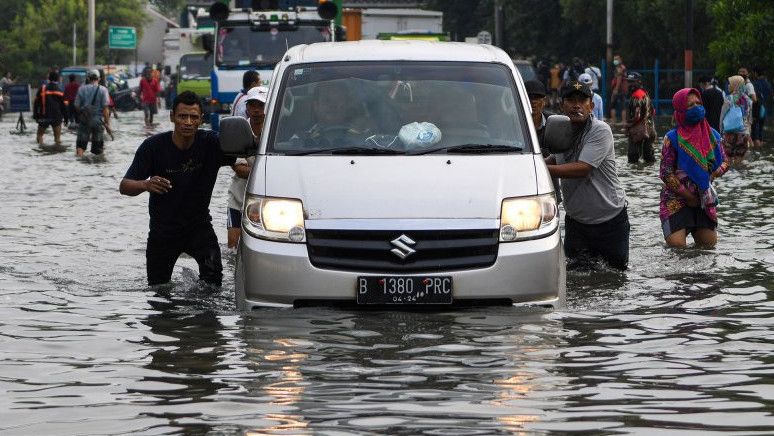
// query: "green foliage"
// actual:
[[644, 30], [745, 31], [40, 36], [170, 8]]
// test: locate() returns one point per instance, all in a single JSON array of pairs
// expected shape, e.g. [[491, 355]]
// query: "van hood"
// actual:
[[401, 187]]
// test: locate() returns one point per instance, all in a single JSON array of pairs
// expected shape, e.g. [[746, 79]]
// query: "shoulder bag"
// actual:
[[85, 112], [733, 122]]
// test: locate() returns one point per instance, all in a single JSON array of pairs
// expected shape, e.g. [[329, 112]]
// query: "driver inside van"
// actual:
[[338, 118]]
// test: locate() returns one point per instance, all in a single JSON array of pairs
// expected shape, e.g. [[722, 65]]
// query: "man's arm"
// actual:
[[570, 170], [133, 187], [156, 185]]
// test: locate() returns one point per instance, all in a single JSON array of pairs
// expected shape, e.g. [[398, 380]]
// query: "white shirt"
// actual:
[[239, 106], [599, 112], [595, 74]]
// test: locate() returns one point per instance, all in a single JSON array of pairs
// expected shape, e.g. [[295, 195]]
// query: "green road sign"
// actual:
[[122, 37]]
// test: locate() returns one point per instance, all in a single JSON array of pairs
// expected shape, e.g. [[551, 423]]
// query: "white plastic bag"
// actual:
[[419, 135]]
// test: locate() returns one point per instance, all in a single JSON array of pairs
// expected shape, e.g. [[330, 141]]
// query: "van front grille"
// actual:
[[375, 251]]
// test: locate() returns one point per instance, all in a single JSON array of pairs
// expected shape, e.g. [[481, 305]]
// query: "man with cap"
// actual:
[[91, 103], [255, 104], [598, 113], [596, 221], [179, 169]]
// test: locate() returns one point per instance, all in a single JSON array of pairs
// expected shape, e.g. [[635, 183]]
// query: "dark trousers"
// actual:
[[756, 131], [199, 242], [608, 240], [642, 148]]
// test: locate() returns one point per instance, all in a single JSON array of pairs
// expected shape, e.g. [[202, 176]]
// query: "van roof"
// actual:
[[372, 50]]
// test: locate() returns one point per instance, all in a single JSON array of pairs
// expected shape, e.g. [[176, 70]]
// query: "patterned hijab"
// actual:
[[738, 94], [697, 135]]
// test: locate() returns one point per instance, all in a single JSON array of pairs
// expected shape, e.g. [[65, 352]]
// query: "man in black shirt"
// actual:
[[712, 98], [50, 109], [179, 170]]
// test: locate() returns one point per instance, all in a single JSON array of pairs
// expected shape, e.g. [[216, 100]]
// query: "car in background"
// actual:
[[396, 172], [526, 69]]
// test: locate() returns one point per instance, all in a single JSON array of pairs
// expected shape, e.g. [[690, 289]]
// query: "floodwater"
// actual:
[[682, 343]]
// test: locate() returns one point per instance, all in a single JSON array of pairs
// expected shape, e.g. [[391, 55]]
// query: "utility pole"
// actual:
[[498, 22], [689, 44], [609, 47], [90, 59], [75, 39]]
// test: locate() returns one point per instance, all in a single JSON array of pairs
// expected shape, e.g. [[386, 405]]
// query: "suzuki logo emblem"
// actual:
[[402, 244]]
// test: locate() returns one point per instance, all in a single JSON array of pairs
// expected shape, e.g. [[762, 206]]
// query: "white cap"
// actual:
[[585, 78], [260, 93], [94, 74]]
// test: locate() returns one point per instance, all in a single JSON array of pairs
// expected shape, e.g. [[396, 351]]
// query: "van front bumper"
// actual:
[[278, 274]]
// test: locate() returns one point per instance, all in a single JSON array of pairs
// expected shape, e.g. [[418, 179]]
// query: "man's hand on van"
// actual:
[[572, 170]]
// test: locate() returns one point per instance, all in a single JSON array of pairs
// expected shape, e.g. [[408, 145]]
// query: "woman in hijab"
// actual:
[[691, 158], [736, 142]]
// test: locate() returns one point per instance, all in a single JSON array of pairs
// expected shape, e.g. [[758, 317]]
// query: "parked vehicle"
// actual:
[[194, 75], [396, 173], [248, 39], [383, 23], [526, 69]]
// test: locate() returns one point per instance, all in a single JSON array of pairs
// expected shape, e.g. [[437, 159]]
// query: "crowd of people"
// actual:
[[630, 104]]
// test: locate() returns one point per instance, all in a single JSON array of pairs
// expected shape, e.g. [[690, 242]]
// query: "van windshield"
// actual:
[[242, 46], [398, 107], [195, 66]]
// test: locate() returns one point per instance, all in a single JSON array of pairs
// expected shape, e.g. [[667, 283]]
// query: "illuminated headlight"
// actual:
[[277, 219], [528, 217]]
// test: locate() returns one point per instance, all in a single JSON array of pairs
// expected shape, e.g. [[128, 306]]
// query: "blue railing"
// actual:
[[654, 85]]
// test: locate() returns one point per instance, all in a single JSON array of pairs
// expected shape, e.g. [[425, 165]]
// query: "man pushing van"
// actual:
[[596, 222], [179, 170]]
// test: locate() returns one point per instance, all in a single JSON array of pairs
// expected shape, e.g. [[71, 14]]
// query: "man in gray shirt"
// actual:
[[596, 222], [94, 115]]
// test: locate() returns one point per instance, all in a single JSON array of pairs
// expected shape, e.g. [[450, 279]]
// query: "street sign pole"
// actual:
[[123, 38]]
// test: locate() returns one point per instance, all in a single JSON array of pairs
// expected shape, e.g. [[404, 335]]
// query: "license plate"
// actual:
[[404, 290]]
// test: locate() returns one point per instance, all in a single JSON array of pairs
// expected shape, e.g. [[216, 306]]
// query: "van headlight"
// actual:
[[277, 219], [528, 217]]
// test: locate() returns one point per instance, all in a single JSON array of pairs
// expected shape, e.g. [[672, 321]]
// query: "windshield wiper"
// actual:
[[474, 148], [347, 150]]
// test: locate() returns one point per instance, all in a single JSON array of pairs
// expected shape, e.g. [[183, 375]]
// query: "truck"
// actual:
[[194, 75], [393, 24], [250, 39], [179, 41]]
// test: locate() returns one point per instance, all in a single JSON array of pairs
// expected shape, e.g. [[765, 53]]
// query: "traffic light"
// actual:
[[327, 9]]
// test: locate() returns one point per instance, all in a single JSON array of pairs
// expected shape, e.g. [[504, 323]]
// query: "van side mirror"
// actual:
[[558, 134], [236, 137], [208, 42]]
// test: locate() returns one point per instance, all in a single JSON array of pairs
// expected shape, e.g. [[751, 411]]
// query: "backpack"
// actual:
[[86, 113]]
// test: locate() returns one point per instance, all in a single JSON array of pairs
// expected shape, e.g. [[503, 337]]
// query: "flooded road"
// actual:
[[683, 342]]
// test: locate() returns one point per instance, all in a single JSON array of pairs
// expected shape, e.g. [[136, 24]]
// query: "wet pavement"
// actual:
[[682, 343]]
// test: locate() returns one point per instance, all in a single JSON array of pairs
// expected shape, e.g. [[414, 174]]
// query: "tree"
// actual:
[[41, 36], [170, 8], [744, 33]]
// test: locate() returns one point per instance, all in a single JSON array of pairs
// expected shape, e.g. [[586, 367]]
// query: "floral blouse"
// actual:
[[677, 181]]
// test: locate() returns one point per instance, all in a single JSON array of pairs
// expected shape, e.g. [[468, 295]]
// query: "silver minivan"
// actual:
[[397, 172]]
